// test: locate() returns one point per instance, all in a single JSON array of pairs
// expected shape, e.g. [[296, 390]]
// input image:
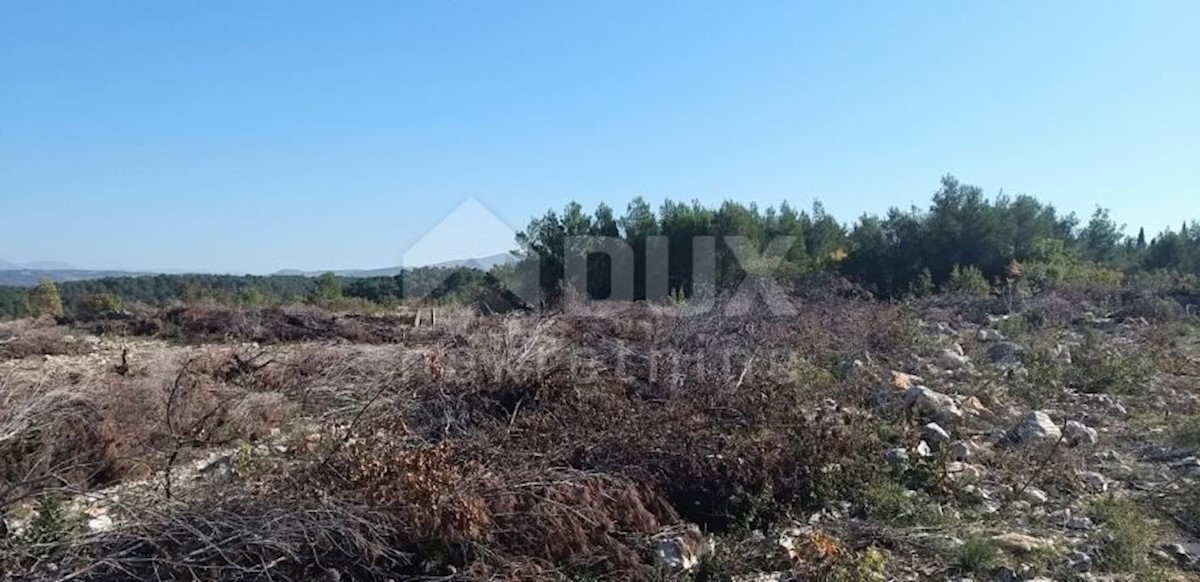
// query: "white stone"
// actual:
[[932, 403], [99, 524], [1079, 561], [953, 359], [1035, 496], [1080, 434], [1018, 542], [1037, 427], [965, 472], [934, 433], [923, 450], [1095, 481], [764, 577], [682, 548], [990, 335]]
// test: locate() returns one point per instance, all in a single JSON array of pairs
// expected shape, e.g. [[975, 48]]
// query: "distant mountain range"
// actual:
[[35, 266], [22, 277], [30, 274], [481, 263]]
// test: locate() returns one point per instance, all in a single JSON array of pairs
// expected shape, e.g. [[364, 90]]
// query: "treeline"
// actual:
[[963, 241], [89, 298]]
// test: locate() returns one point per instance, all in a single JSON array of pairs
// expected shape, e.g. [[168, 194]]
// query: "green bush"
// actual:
[[1187, 431], [890, 501], [98, 305], [1101, 368], [44, 300], [923, 285], [328, 291], [52, 523], [968, 280], [810, 378], [977, 555], [1128, 537]]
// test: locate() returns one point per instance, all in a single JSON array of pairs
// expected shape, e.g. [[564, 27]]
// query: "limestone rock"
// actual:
[[681, 548], [1036, 427], [932, 403], [1022, 543], [1080, 434]]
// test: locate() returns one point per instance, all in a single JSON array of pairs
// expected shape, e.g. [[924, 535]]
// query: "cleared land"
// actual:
[[859, 440]]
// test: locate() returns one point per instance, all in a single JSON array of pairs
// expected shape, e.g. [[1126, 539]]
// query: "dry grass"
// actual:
[[34, 337], [525, 446]]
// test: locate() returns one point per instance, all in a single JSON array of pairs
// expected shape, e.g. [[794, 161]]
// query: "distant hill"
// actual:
[[10, 277], [481, 263], [48, 266], [348, 273], [30, 274], [36, 266]]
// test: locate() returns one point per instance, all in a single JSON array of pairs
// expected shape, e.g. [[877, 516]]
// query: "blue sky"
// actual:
[[254, 136]]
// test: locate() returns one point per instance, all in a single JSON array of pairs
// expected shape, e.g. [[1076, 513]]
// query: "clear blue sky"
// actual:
[[253, 136]]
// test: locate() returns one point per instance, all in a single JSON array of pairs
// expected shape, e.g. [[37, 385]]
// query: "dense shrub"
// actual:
[[98, 305], [968, 280], [44, 301], [34, 337], [1100, 366], [213, 323], [48, 439]]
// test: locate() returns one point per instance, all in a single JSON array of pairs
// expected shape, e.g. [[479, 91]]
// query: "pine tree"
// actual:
[[968, 280], [923, 286], [45, 300], [329, 289]]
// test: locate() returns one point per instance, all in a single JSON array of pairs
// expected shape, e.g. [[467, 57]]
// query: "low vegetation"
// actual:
[[600, 441]]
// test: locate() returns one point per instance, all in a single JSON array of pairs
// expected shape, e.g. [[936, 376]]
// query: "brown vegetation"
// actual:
[[522, 446]]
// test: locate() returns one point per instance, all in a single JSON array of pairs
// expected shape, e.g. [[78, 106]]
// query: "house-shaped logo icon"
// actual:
[[473, 236]]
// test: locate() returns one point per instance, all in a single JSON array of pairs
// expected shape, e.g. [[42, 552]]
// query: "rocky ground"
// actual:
[[950, 439]]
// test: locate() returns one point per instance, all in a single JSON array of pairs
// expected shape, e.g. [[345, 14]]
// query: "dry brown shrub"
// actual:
[[49, 439], [131, 429], [240, 535], [206, 323], [532, 520], [146, 420], [209, 322], [725, 460], [435, 496], [726, 448], [254, 414], [535, 450], [35, 337], [294, 371], [587, 521]]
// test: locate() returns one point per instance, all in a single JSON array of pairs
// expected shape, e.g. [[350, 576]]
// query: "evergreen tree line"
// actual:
[[110, 295], [964, 240]]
